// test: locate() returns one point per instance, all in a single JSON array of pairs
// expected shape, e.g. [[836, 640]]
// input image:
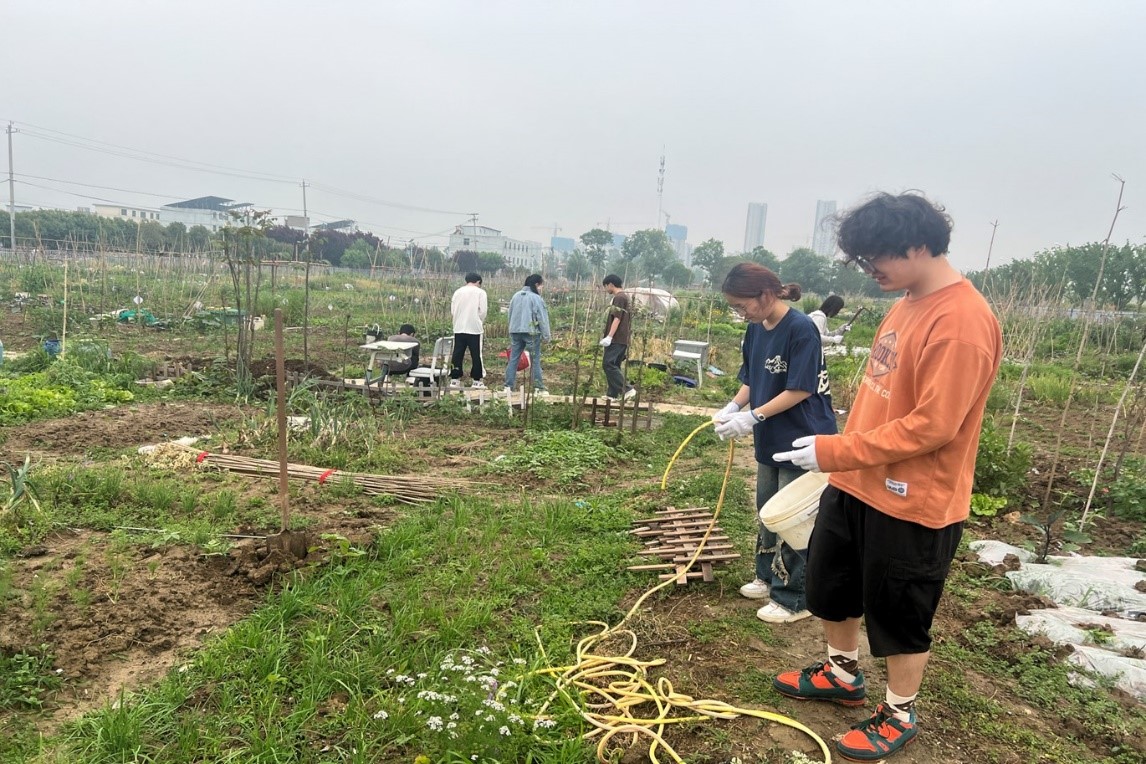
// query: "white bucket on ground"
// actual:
[[791, 513]]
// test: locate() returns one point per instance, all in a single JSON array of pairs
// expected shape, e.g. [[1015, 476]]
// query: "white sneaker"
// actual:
[[455, 384], [773, 613], [479, 385], [540, 391], [757, 590], [630, 393], [507, 391]]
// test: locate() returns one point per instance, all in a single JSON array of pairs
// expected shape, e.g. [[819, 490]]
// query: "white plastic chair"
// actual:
[[438, 372]]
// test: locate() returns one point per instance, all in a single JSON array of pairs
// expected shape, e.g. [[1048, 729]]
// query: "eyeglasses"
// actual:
[[866, 264], [739, 309]]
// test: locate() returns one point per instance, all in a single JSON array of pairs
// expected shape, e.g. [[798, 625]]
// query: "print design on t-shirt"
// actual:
[[823, 385], [883, 356], [776, 365]]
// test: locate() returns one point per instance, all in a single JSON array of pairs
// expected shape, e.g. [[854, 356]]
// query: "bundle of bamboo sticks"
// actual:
[[409, 489]]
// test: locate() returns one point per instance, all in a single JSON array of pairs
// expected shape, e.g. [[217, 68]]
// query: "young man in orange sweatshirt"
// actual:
[[892, 515]]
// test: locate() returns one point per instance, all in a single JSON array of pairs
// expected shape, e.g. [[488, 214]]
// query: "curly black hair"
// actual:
[[891, 225]]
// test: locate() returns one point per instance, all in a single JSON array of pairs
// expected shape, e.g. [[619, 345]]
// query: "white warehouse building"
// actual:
[[480, 238]]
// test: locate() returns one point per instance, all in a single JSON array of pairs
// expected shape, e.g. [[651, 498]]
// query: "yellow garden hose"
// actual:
[[612, 688]]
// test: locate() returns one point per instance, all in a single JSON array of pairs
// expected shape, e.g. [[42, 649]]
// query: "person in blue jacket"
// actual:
[[528, 327], [783, 392]]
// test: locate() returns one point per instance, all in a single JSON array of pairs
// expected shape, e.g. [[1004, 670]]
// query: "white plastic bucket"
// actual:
[[791, 513]]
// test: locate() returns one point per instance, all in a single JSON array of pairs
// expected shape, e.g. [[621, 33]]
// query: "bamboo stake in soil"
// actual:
[[1089, 307], [1109, 437], [280, 405]]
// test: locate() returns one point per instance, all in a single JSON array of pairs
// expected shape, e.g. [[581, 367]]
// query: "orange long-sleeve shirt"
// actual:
[[910, 442]]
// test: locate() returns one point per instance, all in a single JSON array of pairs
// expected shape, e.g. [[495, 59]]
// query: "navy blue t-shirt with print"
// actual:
[[788, 357]]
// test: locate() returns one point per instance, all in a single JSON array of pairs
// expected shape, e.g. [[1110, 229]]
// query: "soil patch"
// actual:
[[120, 427]]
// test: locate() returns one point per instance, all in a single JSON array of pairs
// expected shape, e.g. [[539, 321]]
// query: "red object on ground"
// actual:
[[522, 362]]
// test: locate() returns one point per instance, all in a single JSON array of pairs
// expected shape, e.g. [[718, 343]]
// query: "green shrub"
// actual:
[[1048, 389], [1124, 496], [997, 473], [562, 455]]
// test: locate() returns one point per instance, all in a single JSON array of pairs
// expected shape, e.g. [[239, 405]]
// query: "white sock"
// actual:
[[849, 655], [901, 705]]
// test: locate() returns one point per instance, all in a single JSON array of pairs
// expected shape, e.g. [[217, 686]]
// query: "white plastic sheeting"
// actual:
[[1084, 588], [658, 301]]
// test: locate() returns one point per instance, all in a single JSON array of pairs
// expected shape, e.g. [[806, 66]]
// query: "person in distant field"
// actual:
[[891, 518], [469, 306], [528, 328], [784, 394], [830, 308], [405, 334], [615, 341]]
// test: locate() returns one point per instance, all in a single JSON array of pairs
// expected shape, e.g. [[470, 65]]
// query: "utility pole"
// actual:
[[660, 187], [11, 193], [305, 218]]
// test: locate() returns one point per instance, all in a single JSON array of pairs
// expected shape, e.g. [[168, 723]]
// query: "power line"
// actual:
[[268, 176], [188, 164], [326, 215]]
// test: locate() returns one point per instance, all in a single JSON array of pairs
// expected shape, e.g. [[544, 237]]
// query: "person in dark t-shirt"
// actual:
[[615, 341], [783, 390]]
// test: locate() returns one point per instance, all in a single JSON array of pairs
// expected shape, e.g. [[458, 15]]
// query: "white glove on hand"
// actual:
[[605, 342], [804, 455], [724, 413], [736, 425]]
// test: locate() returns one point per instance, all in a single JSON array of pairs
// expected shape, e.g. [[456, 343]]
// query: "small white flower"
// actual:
[[434, 723], [519, 661], [484, 650], [423, 675], [503, 730], [381, 715]]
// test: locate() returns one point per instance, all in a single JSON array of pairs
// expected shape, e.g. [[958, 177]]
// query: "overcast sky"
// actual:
[[543, 113]]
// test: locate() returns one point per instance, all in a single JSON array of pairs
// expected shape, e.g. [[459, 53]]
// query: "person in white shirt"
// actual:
[[828, 309], [468, 306]]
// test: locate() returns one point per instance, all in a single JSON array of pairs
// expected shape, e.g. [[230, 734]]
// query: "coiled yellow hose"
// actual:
[[613, 688]]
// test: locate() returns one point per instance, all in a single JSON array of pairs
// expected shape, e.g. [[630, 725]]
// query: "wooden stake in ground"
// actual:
[[293, 544]]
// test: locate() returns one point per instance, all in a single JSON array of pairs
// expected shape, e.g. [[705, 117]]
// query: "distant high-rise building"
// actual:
[[824, 233], [754, 230], [678, 238]]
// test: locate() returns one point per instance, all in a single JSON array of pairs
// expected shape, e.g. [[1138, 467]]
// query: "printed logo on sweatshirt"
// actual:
[[896, 486], [776, 365], [883, 356]]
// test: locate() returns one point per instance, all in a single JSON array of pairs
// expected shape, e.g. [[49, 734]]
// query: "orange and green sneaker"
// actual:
[[877, 737], [817, 682]]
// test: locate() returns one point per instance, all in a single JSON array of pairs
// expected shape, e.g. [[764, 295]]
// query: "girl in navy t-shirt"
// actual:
[[784, 394]]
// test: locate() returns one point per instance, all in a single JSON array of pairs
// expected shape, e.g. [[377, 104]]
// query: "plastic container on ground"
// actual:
[[791, 513]]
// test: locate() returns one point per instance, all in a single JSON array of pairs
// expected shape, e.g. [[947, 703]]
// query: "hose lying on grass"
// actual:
[[612, 689]]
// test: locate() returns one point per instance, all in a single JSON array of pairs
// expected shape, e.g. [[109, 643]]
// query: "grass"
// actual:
[[342, 637]]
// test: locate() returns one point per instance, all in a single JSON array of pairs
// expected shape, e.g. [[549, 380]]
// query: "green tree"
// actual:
[[358, 255], [578, 267], [811, 271], [175, 237], [465, 260], [198, 238], [150, 236], [764, 257], [490, 262], [677, 275], [597, 242], [650, 250], [708, 255]]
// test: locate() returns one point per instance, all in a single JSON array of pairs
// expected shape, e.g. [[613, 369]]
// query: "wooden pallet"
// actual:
[[674, 535]]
